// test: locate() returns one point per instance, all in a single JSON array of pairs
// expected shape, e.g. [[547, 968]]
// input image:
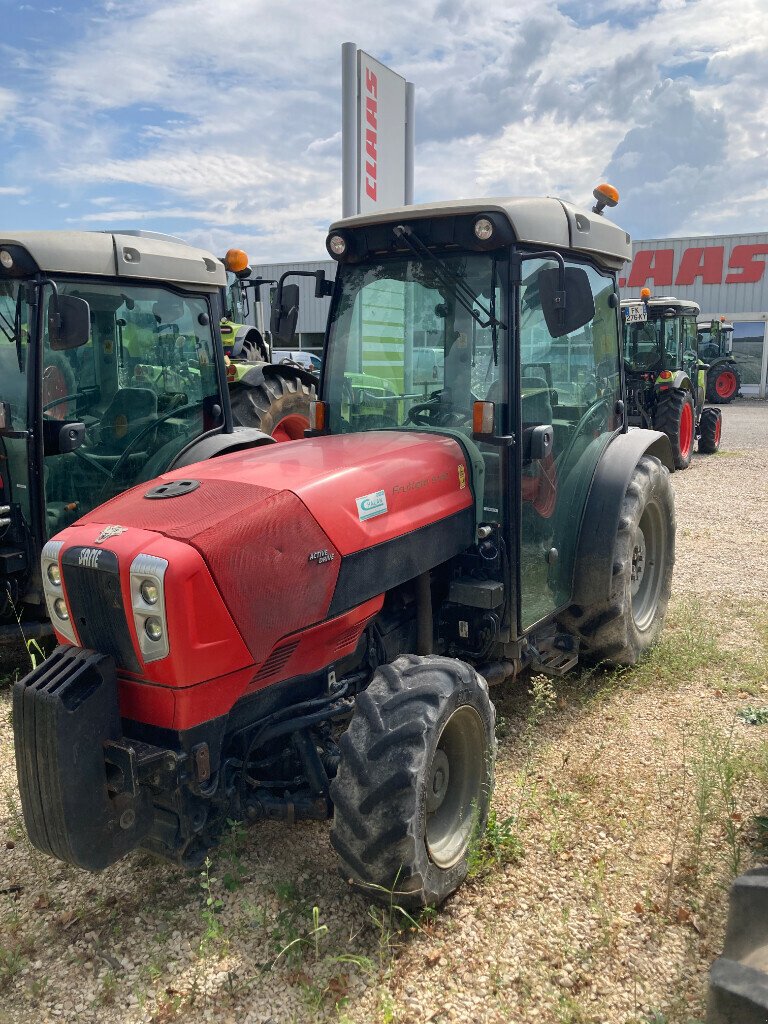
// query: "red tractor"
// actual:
[[310, 630]]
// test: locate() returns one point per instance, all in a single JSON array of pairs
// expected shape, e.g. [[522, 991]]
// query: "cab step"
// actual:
[[554, 655]]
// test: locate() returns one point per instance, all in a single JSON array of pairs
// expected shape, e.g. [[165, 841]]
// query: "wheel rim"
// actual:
[[725, 385], [718, 426], [647, 566], [686, 430], [290, 428], [454, 786]]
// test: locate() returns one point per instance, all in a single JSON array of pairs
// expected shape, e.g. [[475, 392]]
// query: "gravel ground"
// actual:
[[607, 902]]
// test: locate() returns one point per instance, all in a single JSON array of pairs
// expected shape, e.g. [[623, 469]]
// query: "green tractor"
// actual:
[[112, 370], [268, 396], [716, 350], [665, 380]]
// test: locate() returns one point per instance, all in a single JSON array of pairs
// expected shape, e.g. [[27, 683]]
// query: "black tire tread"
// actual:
[[713, 374], [375, 825], [263, 406], [667, 419], [708, 439], [607, 633]]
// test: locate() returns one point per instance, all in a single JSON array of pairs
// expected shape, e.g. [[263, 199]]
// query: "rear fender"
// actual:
[[680, 381], [600, 523]]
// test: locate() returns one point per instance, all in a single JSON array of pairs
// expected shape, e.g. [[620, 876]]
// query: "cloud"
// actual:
[[226, 123]]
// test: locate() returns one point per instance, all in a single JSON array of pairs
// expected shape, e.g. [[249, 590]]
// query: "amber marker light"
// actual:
[[483, 418], [317, 417], [665, 375], [236, 260], [645, 293], [606, 195]]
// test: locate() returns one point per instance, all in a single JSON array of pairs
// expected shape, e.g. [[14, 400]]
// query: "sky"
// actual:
[[219, 121]]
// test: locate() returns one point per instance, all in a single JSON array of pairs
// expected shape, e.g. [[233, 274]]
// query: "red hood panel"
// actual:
[[423, 477], [272, 524]]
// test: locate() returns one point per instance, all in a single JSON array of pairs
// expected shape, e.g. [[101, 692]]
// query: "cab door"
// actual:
[[573, 383]]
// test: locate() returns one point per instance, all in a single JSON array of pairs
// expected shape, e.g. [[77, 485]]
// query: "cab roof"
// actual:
[[139, 255], [536, 221], [665, 302]]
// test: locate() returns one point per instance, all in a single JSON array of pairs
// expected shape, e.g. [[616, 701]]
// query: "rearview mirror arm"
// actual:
[[547, 254]]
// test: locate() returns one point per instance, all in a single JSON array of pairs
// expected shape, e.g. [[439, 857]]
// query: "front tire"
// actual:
[[624, 626], [709, 431], [723, 383], [675, 417], [415, 779]]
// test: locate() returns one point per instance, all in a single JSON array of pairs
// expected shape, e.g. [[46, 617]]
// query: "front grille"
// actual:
[[92, 582]]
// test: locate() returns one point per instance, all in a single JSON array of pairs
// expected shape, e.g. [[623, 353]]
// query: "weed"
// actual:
[[108, 988], [497, 845], [212, 907], [754, 716]]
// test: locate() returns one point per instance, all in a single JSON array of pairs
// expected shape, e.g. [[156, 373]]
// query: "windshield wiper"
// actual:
[[464, 294]]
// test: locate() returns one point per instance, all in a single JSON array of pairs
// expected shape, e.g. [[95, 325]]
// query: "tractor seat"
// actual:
[[129, 412]]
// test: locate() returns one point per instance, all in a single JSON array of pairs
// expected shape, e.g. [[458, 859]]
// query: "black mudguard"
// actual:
[[599, 526], [63, 713], [221, 444]]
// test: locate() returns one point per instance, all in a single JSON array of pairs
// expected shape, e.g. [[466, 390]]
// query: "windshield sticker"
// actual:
[[370, 505]]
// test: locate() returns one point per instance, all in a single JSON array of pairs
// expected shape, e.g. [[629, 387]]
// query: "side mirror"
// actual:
[[566, 299], [285, 313], [69, 322]]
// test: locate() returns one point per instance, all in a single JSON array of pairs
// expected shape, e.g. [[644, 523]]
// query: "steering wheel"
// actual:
[[123, 458], [433, 413]]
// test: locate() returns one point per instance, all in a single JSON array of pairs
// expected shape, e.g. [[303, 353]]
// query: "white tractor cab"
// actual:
[[111, 371], [716, 350], [665, 381]]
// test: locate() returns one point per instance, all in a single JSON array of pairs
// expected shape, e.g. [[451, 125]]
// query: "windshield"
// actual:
[[144, 385], [406, 352], [653, 345]]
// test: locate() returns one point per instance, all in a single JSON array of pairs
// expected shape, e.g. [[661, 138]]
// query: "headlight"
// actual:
[[149, 591], [148, 603], [6, 259], [153, 627], [337, 245], [55, 600], [483, 229]]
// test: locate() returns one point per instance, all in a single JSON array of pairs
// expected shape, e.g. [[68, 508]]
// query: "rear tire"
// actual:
[[277, 405], [415, 779], [622, 628], [675, 418], [723, 383], [709, 427]]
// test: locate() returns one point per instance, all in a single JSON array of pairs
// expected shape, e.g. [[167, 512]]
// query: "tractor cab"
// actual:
[[110, 369], [510, 349], [665, 381]]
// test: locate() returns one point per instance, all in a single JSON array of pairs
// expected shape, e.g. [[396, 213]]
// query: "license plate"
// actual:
[[635, 315]]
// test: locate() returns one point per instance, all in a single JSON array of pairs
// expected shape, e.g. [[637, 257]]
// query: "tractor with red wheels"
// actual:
[[716, 351], [666, 381], [311, 630]]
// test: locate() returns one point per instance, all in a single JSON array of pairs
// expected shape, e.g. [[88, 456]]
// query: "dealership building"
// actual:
[[725, 274]]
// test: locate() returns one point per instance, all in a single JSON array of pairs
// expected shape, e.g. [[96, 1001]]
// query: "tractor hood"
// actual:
[[300, 532]]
